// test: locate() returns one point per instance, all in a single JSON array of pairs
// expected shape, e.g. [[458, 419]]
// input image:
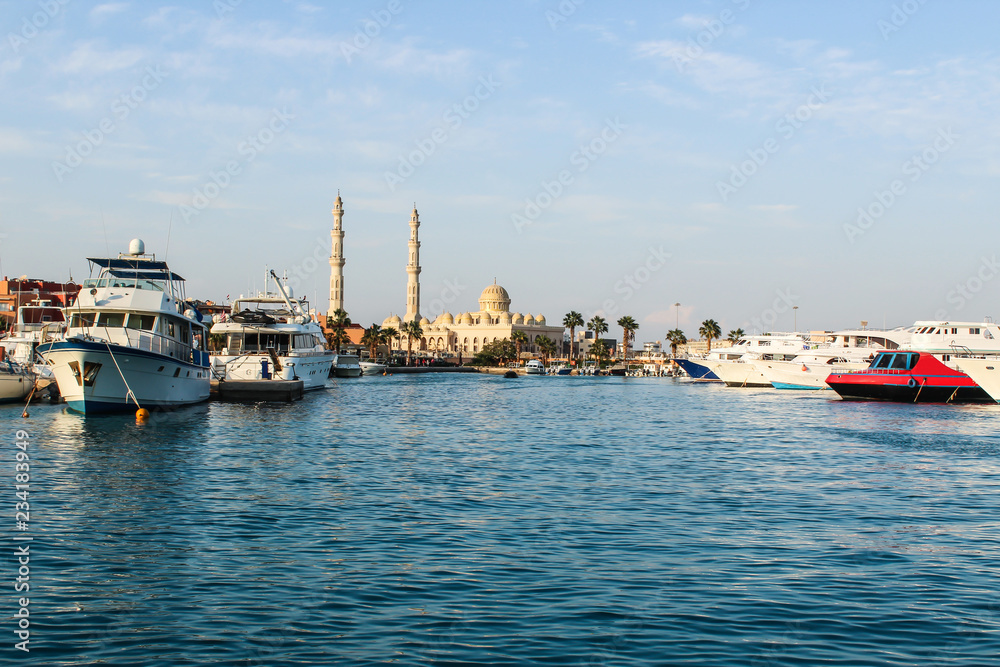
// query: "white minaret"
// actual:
[[413, 271], [337, 257]]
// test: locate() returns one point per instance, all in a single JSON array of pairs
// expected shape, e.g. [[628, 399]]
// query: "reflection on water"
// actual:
[[467, 519]]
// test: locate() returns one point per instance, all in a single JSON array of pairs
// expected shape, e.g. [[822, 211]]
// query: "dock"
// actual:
[[257, 390]]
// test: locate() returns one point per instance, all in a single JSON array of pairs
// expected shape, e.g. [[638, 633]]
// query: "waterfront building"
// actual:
[[466, 333], [18, 292]]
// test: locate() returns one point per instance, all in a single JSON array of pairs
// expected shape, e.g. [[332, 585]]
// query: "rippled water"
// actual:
[[446, 519]]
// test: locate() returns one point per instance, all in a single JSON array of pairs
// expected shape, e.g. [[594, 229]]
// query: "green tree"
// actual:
[[676, 337], [735, 335], [337, 322], [388, 335], [598, 325], [572, 320], [629, 327], [600, 350], [710, 330], [371, 339], [547, 346], [412, 330], [520, 339]]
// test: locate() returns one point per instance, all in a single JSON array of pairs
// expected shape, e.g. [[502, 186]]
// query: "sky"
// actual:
[[769, 165]]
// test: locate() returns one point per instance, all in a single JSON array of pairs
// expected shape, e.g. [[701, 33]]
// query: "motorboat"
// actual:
[[132, 339], [271, 336], [16, 380], [909, 377], [743, 372], [369, 367], [701, 367], [346, 366], [534, 367]]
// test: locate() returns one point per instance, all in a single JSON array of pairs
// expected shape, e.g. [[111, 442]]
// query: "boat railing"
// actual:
[[149, 341]]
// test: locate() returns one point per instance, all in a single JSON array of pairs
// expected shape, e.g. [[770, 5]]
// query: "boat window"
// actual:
[[185, 332], [954, 331], [974, 331], [319, 340], [83, 320], [303, 341], [138, 321], [112, 320], [899, 361], [882, 361]]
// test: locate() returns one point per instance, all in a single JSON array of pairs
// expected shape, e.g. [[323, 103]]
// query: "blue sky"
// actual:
[[738, 157]]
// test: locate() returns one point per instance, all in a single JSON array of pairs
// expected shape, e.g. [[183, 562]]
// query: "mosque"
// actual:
[[447, 335]]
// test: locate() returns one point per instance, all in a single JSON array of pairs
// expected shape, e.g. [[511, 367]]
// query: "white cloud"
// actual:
[[99, 12], [88, 58]]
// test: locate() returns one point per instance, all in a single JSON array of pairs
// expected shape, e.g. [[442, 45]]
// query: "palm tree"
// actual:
[[519, 338], [676, 337], [338, 321], [598, 325], [629, 327], [412, 330], [572, 320], [710, 329], [372, 338], [387, 335], [547, 346], [599, 349], [735, 335]]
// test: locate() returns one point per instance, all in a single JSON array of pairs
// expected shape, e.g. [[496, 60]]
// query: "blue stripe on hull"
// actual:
[[92, 407], [696, 370], [784, 385]]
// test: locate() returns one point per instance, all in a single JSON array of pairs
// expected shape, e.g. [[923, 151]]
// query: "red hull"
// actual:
[[908, 377]]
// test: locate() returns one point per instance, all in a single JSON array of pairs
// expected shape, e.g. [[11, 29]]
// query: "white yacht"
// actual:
[[132, 339], [840, 352], [743, 372], [369, 367], [984, 371], [534, 367], [271, 336]]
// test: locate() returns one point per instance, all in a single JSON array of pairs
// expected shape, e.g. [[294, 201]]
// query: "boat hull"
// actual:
[[929, 381], [312, 368], [372, 368], [739, 373], [92, 377], [697, 369], [984, 372], [15, 383]]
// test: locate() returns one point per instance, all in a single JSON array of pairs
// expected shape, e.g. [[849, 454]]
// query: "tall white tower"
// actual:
[[413, 271], [337, 257]]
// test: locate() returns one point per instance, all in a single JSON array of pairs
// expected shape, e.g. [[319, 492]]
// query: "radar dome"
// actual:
[[136, 247]]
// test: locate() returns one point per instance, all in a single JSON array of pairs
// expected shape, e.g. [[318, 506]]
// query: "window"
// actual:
[[144, 322], [974, 331], [82, 320], [882, 361], [112, 319], [899, 361], [954, 331]]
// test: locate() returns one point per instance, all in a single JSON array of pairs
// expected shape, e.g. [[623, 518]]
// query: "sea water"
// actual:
[[470, 519]]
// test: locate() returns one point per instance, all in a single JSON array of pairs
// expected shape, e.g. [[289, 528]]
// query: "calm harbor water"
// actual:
[[455, 519]]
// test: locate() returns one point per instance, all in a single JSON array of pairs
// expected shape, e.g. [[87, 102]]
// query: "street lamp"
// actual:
[[795, 318], [677, 315]]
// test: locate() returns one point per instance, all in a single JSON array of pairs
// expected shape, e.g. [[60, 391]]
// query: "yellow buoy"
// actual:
[[141, 415]]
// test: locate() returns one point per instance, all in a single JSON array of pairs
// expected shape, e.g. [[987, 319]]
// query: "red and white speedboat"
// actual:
[[908, 376]]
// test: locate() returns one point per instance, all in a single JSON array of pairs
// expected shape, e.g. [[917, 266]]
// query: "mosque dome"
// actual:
[[528, 319], [494, 299], [505, 318], [517, 318], [540, 319], [465, 318], [424, 322], [392, 321], [446, 318]]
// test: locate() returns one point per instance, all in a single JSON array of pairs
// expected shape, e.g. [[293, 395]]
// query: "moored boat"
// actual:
[[272, 336], [909, 377], [984, 371], [534, 367], [16, 381], [346, 366], [132, 339]]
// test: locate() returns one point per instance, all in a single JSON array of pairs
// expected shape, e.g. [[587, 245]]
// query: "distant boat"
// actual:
[[534, 367], [16, 381], [37, 322], [132, 341], [372, 368]]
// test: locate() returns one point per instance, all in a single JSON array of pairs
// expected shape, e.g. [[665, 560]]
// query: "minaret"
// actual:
[[413, 271], [337, 257]]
